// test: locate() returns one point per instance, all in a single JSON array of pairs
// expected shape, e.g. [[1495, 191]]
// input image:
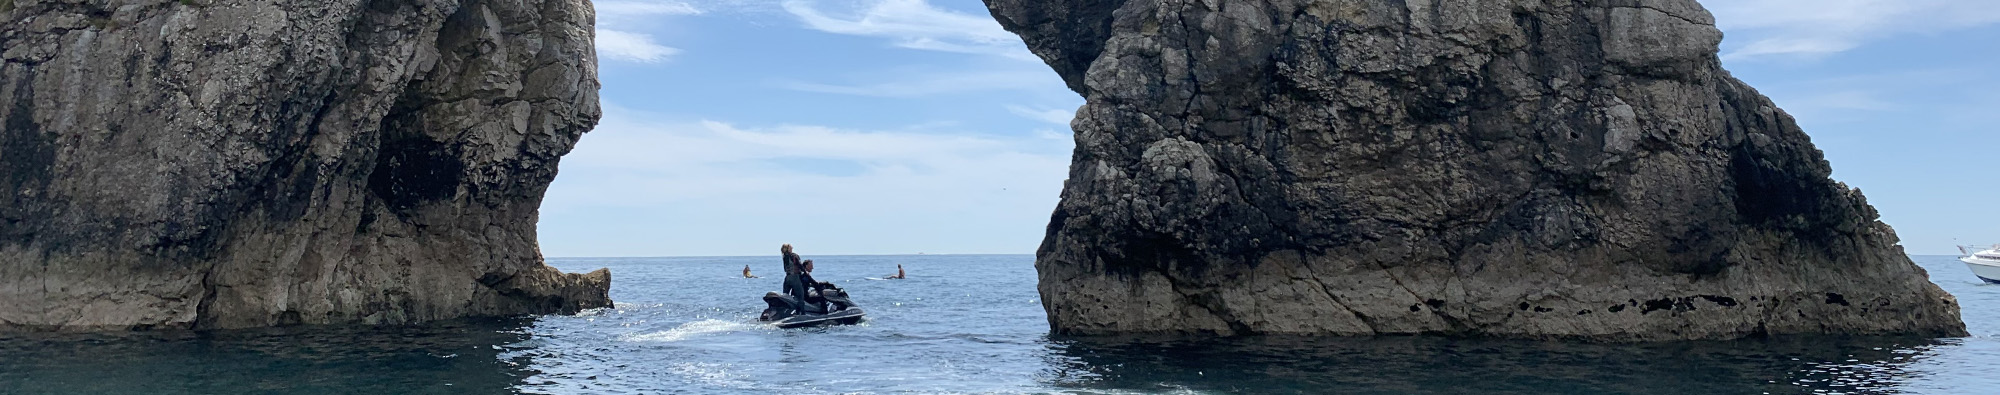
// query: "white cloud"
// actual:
[[630, 161], [1839, 103], [631, 47], [1847, 98], [627, 8], [1792, 46], [1055, 116], [917, 24], [641, 187], [914, 24], [1053, 135], [1821, 27], [619, 23], [1034, 79]]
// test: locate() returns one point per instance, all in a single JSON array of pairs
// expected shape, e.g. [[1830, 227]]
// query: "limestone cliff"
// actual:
[[241, 163], [1515, 168]]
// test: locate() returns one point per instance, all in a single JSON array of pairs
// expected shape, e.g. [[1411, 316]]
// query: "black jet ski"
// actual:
[[831, 308]]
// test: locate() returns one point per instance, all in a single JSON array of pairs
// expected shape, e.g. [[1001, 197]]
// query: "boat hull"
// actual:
[[1987, 270], [848, 316]]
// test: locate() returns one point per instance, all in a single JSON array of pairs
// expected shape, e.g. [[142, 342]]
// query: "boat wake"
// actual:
[[689, 330]]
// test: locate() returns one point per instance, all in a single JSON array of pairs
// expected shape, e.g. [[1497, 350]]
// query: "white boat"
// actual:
[[1985, 264]]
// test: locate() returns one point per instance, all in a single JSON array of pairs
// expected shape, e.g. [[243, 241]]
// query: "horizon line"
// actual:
[[916, 254], [766, 255]]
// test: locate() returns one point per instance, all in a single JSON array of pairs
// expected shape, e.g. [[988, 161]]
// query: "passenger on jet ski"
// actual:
[[793, 285]]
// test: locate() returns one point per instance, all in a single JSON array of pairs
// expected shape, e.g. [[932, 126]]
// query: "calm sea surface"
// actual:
[[960, 324]]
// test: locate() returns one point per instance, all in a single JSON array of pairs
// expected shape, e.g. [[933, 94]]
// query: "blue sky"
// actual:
[[906, 126]]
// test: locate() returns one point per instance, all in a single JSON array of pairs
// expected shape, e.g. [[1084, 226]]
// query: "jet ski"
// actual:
[[831, 308]]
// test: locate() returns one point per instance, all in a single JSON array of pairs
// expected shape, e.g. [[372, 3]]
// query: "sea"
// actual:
[[959, 324]]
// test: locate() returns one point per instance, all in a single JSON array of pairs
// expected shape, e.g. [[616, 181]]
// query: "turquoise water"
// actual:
[[960, 324]]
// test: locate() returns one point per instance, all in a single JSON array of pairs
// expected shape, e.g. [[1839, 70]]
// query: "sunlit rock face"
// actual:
[[1542, 169], [245, 163]]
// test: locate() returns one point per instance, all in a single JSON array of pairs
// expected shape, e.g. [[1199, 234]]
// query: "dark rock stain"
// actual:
[[27, 160], [1656, 305]]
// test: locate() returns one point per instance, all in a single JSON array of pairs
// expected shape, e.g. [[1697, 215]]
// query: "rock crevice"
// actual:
[[1493, 168]]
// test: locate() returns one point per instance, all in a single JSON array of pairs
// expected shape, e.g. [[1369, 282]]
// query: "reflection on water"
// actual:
[[961, 324], [1403, 365], [445, 358]]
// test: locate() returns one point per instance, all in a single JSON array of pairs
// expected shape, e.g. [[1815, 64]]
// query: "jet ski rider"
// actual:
[[812, 286]]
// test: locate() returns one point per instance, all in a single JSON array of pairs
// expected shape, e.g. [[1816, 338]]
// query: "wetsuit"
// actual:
[[806, 281], [795, 277]]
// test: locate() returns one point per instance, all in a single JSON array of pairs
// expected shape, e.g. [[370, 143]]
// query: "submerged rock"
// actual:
[[1576, 169], [243, 163]]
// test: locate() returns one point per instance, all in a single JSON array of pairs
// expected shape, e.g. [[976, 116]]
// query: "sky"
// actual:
[[920, 126]]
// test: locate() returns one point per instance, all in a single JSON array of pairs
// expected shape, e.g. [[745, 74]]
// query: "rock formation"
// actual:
[[242, 163], [1513, 168]]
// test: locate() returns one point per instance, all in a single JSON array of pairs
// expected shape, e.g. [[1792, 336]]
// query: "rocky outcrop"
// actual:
[[1524, 168], [242, 163]]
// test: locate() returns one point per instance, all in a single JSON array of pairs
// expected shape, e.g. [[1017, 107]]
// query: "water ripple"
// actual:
[[962, 324]]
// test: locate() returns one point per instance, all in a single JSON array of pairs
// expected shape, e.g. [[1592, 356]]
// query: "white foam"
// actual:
[[715, 374], [689, 330]]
